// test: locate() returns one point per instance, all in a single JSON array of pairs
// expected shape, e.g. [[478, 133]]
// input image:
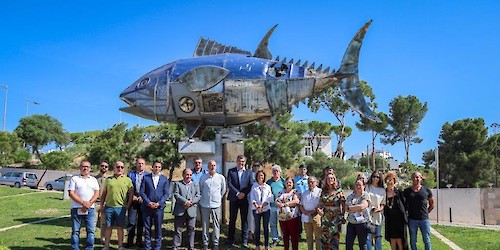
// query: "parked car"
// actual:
[[19, 179], [57, 184]]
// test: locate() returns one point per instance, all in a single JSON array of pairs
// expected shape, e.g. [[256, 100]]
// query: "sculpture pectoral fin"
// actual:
[[203, 77]]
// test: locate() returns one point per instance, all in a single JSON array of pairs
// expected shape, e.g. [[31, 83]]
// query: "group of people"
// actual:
[[304, 203], [140, 195]]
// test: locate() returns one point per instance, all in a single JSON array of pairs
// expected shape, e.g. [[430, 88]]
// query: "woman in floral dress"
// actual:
[[331, 209]]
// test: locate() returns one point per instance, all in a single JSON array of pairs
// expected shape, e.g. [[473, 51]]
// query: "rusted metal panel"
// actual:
[[299, 89], [245, 97], [276, 94]]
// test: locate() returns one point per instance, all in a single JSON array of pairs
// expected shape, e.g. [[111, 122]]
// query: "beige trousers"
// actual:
[[313, 233]]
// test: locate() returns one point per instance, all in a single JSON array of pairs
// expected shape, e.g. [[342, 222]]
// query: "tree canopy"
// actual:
[[405, 116], [39, 130], [463, 158], [117, 143], [268, 144], [10, 145]]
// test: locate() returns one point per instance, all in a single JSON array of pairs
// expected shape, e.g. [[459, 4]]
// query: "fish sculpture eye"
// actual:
[[143, 82], [186, 104]]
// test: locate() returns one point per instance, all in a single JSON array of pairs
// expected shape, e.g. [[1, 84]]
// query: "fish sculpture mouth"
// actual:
[[224, 86]]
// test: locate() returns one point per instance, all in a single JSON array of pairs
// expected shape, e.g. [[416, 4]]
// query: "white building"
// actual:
[[311, 145], [391, 162]]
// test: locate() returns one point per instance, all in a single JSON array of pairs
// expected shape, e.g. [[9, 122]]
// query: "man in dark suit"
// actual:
[[154, 193], [135, 220], [187, 195], [239, 183]]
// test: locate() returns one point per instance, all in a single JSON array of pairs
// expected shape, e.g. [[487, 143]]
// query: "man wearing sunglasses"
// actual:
[[101, 179], [115, 204]]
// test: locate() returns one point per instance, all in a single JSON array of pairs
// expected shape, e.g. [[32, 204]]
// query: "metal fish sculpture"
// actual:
[[223, 86]]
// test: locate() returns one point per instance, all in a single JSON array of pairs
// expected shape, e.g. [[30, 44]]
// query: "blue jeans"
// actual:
[[353, 231], [377, 237], [425, 229], [273, 222], [77, 221]]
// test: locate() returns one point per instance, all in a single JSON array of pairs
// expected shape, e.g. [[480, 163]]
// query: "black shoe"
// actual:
[[128, 245], [140, 244]]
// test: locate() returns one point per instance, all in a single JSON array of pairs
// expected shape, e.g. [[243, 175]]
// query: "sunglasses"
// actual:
[[104, 166], [122, 167], [375, 176]]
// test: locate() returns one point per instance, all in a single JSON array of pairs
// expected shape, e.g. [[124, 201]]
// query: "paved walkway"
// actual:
[[445, 240]]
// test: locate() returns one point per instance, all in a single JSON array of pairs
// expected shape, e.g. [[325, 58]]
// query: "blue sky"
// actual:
[[75, 57]]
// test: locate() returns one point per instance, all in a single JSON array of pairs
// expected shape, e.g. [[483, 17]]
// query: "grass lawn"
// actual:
[[55, 234], [471, 238], [6, 190], [31, 207]]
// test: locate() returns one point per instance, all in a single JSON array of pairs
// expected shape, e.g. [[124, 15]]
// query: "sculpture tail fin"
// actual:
[[348, 75]]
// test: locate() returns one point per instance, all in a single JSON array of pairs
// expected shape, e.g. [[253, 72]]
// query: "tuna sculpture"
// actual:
[[223, 86]]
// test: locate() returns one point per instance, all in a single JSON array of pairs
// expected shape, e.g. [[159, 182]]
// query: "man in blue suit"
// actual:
[[239, 183], [187, 195], [154, 193]]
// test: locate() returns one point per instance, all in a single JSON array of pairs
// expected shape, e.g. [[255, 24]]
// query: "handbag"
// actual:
[[371, 228]]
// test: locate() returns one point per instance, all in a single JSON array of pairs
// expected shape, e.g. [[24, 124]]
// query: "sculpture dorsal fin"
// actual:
[[262, 50], [210, 47]]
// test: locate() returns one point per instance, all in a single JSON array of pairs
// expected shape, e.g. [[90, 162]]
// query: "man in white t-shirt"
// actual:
[[83, 191]]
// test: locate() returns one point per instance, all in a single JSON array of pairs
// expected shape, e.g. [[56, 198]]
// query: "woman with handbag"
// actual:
[[358, 217], [288, 214], [375, 187]]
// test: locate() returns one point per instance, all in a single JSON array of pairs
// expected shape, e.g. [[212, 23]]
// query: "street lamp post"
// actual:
[[4, 105], [28, 101]]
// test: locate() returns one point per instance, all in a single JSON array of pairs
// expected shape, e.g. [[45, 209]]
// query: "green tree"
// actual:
[[404, 119], [267, 144], [23, 156], [376, 128], [117, 143], [164, 143], [10, 144], [331, 100], [493, 147], [319, 129], [376, 160], [319, 161], [429, 157], [39, 130], [463, 160], [56, 160]]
